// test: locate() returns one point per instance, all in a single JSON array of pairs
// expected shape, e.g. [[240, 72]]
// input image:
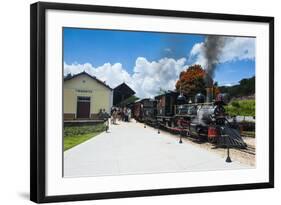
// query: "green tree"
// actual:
[[129, 100], [245, 87]]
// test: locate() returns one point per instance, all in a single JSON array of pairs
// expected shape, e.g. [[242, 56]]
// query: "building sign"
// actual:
[[83, 91]]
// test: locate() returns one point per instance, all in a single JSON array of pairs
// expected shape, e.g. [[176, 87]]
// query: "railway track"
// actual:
[[249, 150]]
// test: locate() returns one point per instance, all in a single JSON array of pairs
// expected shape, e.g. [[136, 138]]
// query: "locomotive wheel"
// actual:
[[201, 138], [212, 140], [199, 135]]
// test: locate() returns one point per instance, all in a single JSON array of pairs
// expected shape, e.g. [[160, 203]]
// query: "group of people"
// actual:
[[103, 114], [120, 114]]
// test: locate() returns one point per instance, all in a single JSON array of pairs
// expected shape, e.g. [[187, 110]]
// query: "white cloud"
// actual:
[[235, 48], [196, 49], [168, 50], [238, 49], [147, 77], [196, 54], [113, 75], [226, 83]]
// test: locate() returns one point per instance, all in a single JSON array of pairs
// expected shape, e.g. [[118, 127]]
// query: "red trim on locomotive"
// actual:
[[212, 132]]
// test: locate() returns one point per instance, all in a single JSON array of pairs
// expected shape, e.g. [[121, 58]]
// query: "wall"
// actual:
[[100, 95], [14, 103]]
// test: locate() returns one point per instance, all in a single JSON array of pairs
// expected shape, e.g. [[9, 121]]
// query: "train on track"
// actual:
[[201, 117]]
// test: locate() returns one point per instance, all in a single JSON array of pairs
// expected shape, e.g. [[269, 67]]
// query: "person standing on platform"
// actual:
[[129, 114]]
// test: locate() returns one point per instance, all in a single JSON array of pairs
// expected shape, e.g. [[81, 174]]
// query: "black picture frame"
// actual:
[[38, 101]]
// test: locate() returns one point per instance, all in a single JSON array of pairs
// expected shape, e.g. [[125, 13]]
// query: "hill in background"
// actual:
[[246, 87]]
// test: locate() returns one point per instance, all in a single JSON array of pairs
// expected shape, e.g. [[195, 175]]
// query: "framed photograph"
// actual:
[[129, 102]]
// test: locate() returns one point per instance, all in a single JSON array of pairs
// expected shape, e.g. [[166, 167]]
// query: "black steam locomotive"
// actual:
[[199, 117]]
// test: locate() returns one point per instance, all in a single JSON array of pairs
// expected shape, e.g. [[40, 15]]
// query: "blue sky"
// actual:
[[232, 72], [98, 48]]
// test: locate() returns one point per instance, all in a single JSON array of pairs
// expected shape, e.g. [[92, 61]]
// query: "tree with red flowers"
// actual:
[[191, 81]]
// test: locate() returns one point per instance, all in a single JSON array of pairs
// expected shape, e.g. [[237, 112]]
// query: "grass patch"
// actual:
[[241, 108], [75, 135]]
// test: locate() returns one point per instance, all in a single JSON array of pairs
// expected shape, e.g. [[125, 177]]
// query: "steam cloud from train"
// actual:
[[212, 49]]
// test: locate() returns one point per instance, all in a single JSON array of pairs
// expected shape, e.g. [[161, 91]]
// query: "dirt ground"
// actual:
[[244, 156]]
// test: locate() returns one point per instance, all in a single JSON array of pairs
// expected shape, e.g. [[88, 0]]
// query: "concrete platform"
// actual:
[[130, 148]]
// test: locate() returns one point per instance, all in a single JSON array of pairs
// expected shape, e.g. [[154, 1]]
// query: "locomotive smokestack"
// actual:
[[209, 94], [209, 88]]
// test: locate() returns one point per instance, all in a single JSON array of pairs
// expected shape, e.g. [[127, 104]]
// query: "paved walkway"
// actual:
[[130, 148]]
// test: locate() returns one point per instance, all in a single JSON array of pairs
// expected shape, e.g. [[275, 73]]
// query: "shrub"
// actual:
[[84, 129], [241, 108]]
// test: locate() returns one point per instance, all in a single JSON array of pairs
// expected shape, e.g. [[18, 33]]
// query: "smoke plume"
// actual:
[[212, 49]]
